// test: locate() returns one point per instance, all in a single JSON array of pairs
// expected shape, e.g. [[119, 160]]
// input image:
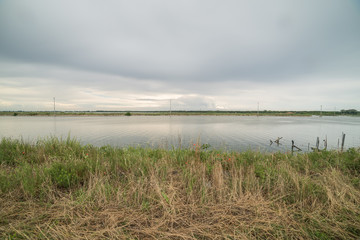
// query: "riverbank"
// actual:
[[61, 189], [175, 113]]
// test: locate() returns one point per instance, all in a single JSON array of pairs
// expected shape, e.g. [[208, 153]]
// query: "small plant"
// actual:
[[61, 176], [128, 114], [205, 146], [65, 175]]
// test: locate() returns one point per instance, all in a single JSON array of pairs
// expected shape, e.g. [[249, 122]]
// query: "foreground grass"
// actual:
[[59, 189]]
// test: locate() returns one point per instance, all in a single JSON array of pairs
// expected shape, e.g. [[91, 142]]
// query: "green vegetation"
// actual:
[[350, 112], [60, 189]]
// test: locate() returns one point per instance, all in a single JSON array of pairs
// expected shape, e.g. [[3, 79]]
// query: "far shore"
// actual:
[[176, 113]]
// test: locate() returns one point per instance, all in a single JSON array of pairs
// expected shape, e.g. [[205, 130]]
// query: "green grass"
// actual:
[[57, 188]]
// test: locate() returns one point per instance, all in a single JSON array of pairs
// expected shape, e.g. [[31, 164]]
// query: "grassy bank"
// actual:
[[60, 189]]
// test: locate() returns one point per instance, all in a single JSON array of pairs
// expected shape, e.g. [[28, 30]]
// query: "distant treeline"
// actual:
[[183, 112], [349, 112]]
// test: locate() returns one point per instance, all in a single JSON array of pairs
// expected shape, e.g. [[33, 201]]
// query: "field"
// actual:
[[60, 189]]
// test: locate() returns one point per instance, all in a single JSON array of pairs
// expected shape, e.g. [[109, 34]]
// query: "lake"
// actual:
[[228, 133]]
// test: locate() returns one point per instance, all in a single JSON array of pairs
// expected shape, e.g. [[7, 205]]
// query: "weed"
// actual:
[[67, 174]]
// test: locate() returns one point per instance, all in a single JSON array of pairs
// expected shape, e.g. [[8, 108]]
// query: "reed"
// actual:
[[60, 189]]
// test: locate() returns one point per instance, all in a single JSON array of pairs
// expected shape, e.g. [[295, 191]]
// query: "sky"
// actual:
[[203, 55]]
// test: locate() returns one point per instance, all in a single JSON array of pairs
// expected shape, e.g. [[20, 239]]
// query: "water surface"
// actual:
[[222, 132]]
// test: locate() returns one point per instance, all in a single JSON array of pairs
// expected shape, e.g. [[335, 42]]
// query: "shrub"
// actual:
[[65, 175]]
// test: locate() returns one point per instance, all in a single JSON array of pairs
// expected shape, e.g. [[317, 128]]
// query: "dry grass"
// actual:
[[248, 218], [131, 193]]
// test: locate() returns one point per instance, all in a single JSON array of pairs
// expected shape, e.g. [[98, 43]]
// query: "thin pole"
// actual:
[[54, 106], [170, 107], [320, 110], [258, 109]]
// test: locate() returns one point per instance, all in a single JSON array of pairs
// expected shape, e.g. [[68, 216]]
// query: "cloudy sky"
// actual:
[[202, 54]]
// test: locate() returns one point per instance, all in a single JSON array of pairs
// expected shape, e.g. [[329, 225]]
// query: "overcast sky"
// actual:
[[202, 54]]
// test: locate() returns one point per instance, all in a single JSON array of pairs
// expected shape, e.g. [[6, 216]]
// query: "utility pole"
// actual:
[[258, 109], [320, 110], [54, 106], [170, 107]]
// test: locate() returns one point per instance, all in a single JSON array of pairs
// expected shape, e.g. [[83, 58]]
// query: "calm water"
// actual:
[[225, 132]]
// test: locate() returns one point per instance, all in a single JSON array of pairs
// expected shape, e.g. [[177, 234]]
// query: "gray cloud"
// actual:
[[179, 49], [185, 40]]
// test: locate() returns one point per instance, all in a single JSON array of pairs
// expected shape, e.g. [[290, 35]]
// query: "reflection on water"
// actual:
[[225, 132]]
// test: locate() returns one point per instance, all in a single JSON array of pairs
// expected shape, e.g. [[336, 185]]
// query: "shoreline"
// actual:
[[176, 113]]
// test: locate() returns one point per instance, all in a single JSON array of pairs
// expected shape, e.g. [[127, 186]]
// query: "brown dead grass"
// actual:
[[249, 217]]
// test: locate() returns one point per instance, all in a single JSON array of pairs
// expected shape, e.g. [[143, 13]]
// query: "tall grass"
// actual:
[[60, 189]]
